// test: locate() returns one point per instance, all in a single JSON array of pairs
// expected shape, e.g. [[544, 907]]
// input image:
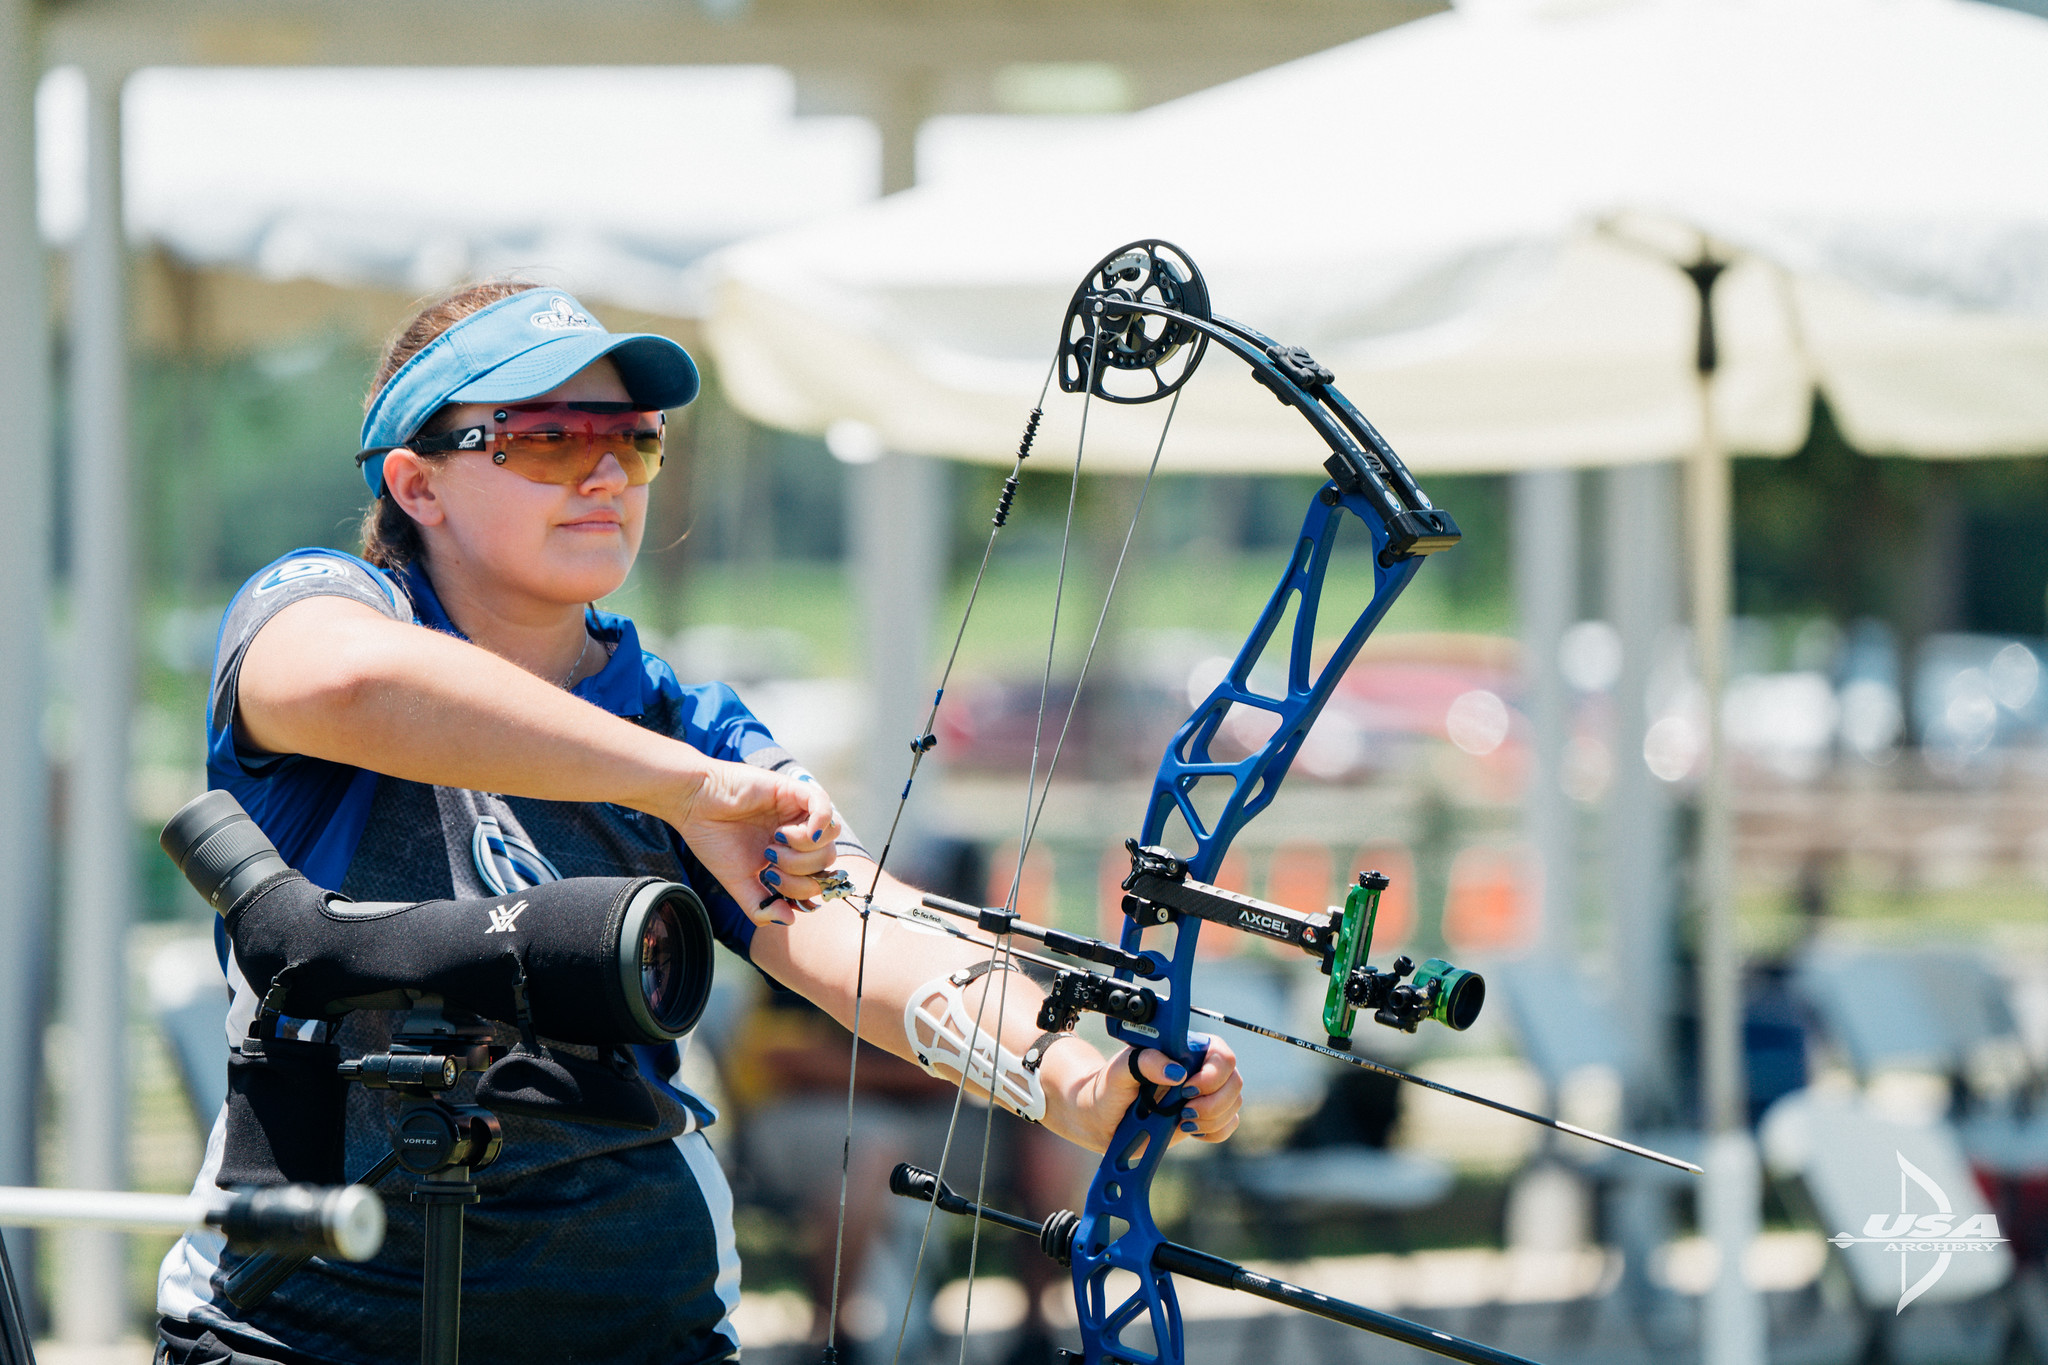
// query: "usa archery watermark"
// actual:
[[1913, 1234]]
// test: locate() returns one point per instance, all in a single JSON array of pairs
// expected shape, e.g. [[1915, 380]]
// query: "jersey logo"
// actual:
[[294, 571], [506, 862], [503, 917], [562, 316]]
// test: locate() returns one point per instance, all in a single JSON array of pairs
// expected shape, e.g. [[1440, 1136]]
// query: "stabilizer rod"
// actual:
[[914, 1183]]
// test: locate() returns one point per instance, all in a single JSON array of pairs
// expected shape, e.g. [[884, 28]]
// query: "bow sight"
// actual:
[[1160, 891]]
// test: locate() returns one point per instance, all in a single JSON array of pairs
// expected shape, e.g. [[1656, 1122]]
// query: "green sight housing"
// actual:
[[1452, 996], [1455, 993]]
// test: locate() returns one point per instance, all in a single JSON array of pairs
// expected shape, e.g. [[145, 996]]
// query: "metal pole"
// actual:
[[1546, 550], [445, 1194], [1642, 597], [897, 539], [24, 616], [98, 872], [1732, 1321]]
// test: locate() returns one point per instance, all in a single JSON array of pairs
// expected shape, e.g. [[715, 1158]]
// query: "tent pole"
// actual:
[[24, 618], [1641, 592], [1546, 551], [1732, 1323], [99, 832], [896, 545]]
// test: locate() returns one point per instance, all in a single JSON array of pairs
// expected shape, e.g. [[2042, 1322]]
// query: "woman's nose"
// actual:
[[609, 475]]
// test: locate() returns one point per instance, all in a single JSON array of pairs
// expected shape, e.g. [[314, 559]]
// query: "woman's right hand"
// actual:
[[761, 834]]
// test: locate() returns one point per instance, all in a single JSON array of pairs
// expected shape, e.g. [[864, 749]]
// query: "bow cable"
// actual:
[[1116, 575], [919, 747], [1006, 945], [1010, 901]]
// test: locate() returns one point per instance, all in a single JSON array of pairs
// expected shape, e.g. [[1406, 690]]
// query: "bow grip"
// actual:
[[1147, 1103]]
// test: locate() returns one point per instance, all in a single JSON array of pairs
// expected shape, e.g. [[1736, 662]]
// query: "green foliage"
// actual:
[[242, 460], [1926, 545]]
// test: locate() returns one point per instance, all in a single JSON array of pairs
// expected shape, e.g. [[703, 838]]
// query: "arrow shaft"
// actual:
[[1442, 1089], [1364, 1063]]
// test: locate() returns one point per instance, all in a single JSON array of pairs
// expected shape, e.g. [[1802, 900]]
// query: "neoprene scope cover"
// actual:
[[606, 960]]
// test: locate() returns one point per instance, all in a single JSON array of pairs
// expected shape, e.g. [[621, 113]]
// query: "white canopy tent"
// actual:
[[1468, 218], [414, 181], [1479, 221]]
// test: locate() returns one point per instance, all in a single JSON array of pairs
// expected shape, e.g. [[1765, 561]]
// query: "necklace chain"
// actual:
[[570, 676]]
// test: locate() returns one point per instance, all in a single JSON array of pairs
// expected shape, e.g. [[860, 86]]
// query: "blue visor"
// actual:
[[514, 350]]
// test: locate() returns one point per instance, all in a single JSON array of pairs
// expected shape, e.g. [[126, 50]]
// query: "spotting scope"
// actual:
[[595, 960]]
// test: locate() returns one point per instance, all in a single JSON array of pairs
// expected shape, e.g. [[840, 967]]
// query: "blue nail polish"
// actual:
[[1176, 1073], [803, 777], [780, 837], [817, 836], [1187, 1125], [1188, 1092], [771, 877], [769, 854]]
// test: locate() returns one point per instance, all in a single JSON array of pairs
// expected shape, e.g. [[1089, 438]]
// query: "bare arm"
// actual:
[[332, 678], [1085, 1095]]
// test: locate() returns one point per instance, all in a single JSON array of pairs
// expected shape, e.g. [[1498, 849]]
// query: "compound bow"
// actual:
[[1135, 331]]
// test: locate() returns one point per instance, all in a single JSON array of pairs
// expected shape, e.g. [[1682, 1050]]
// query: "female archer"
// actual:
[[447, 715]]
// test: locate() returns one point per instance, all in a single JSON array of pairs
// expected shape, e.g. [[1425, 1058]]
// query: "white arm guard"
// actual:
[[938, 1025]]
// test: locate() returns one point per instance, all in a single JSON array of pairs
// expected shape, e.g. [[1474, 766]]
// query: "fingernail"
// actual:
[[769, 854], [817, 836], [1188, 1092], [803, 777], [771, 877], [780, 837], [1176, 1073], [1187, 1125]]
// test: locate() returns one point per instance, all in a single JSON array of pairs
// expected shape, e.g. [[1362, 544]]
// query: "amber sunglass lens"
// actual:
[[560, 444]]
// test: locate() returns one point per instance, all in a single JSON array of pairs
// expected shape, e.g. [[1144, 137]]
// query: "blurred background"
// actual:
[[1720, 743]]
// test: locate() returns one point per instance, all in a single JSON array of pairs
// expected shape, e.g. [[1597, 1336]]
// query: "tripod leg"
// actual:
[[444, 1196]]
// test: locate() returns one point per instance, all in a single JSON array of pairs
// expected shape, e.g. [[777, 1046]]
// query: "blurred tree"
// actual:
[[1928, 545]]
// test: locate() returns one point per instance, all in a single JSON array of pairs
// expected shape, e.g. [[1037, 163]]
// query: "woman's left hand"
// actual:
[[1209, 1099]]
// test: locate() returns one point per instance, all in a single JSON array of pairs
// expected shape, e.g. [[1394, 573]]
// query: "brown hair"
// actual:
[[391, 539]]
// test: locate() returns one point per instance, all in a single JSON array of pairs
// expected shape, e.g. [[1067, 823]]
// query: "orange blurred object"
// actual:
[[1491, 905], [1299, 877]]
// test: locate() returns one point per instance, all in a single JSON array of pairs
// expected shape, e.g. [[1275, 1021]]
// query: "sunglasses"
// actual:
[[558, 443]]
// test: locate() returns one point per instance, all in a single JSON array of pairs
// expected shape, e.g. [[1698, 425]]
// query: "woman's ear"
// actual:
[[409, 481]]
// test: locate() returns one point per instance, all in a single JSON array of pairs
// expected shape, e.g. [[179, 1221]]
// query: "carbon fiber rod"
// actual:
[[913, 1183]]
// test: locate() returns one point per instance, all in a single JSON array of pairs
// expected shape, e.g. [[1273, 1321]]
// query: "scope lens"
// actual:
[[660, 967], [666, 951], [1464, 994]]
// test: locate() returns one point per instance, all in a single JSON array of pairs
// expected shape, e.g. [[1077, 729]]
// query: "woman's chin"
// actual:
[[579, 574]]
